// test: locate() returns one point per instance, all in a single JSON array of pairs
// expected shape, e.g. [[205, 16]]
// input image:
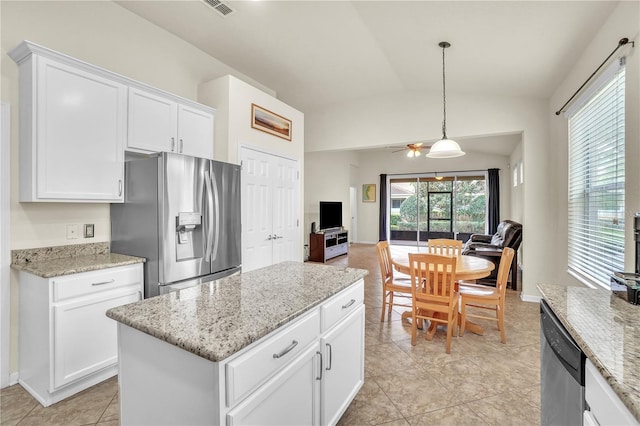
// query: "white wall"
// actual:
[[328, 176], [109, 36], [399, 118], [623, 22], [232, 99]]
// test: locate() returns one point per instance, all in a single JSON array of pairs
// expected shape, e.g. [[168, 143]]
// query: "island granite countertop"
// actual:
[[217, 319], [607, 329], [50, 262]]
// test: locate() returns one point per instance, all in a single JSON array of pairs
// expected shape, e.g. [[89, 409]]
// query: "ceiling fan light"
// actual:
[[410, 153], [445, 148], [416, 153]]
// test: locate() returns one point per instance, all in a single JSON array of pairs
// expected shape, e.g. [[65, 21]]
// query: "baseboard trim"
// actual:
[[529, 298]]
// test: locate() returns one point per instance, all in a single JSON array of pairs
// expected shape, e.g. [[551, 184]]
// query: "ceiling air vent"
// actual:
[[223, 9]]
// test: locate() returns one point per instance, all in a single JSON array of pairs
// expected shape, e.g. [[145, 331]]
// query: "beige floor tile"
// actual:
[[15, 404], [506, 409], [399, 422], [84, 408], [371, 406], [460, 415], [113, 410], [386, 358], [416, 392], [431, 353]]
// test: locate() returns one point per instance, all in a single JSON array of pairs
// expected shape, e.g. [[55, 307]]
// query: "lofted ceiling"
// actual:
[[317, 53]]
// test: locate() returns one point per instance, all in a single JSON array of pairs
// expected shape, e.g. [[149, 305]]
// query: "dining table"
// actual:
[[468, 268]]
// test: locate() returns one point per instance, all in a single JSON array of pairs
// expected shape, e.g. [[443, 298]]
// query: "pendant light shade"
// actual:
[[445, 147]]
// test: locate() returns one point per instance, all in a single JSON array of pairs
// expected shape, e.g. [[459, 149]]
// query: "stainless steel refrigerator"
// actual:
[[183, 215]]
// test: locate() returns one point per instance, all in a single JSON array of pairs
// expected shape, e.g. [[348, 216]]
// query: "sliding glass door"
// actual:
[[425, 206]]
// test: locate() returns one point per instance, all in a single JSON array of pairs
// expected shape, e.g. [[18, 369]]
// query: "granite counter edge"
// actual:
[[620, 390]]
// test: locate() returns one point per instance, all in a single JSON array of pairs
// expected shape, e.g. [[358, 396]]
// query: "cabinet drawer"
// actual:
[[95, 281], [249, 370], [342, 305]]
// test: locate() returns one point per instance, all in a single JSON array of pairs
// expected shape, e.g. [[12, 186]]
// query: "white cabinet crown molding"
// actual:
[[26, 48]]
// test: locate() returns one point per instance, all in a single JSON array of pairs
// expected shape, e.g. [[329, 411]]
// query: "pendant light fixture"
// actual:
[[444, 148]]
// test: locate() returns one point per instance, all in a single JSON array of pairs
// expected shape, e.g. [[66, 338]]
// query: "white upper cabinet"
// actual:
[[195, 132], [160, 124], [153, 122], [77, 119], [72, 132]]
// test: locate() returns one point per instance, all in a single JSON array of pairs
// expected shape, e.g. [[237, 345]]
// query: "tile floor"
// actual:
[[482, 381]]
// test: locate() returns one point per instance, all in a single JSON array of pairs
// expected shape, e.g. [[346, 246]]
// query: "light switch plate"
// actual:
[[88, 230]]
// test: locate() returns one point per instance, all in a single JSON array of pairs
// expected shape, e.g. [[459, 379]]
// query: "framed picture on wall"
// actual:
[[269, 122], [369, 193]]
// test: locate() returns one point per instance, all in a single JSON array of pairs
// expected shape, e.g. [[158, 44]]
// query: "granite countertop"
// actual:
[[50, 262], [607, 328], [217, 319]]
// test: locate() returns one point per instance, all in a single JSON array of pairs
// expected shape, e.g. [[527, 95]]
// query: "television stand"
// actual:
[[328, 245]]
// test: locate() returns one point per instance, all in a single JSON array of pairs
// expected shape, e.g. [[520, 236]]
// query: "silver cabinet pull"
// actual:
[[330, 357], [173, 144], [119, 187], [181, 145], [286, 350], [270, 237], [351, 302], [320, 376], [105, 282]]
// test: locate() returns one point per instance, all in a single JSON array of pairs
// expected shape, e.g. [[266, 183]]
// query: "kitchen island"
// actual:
[[278, 345], [607, 329]]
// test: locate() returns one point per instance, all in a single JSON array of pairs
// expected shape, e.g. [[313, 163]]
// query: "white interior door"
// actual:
[[286, 210], [256, 210], [353, 231], [270, 209]]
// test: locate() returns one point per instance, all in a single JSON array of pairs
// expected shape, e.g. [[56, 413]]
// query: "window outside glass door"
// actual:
[[424, 207]]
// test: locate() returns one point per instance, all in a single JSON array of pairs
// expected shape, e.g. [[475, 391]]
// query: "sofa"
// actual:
[[508, 234]]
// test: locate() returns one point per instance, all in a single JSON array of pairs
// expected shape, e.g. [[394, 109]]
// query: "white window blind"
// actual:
[[596, 180]]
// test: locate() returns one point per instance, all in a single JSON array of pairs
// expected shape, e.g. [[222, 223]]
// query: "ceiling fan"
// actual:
[[414, 149]]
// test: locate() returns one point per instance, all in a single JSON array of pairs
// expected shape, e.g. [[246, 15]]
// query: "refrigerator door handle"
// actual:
[[209, 217], [216, 201]]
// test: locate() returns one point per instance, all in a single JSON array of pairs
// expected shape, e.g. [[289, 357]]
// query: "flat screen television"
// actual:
[[330, 214]]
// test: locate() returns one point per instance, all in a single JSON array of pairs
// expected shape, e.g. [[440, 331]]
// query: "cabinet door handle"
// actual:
[[119, 187], [173, 144], [320, 375], [269, 238], [286, 350], [330, 357], [351, 302], [181, 145], [105, 282]]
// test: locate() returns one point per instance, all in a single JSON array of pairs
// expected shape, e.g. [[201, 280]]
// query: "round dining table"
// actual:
[[467, 268]]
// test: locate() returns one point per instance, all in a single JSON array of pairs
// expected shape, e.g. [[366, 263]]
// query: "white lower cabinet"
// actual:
[[288, 399], [343, 374], [67, 343], [83, 321], [604, 405], [305, 373]]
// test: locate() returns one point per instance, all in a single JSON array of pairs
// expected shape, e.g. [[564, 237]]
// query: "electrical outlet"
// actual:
[[88, 230], [73, 231]]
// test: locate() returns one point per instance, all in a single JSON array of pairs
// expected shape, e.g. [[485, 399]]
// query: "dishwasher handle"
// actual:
[[561, 343]]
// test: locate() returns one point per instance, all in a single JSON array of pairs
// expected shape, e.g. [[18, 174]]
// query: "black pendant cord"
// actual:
[[444, 45], [621, 43]]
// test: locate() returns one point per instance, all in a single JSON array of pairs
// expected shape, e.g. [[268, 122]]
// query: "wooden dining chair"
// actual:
[[433, 292], [390, 287], [444, 247], [480, 296]]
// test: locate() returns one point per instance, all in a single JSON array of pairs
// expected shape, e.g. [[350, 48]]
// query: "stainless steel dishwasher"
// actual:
[[562, 365]]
